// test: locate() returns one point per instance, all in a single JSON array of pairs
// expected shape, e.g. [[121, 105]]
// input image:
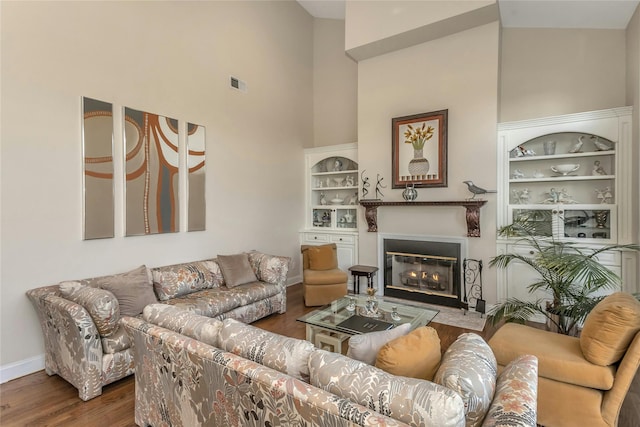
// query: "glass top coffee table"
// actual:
[[329, 326]]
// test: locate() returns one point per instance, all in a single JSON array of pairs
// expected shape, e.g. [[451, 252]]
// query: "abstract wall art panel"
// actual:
[[196, 178], [97, 152], [151, 165]]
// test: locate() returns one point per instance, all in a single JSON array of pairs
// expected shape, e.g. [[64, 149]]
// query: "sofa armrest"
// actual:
[[73, 348], [515, 400], [270, 268]]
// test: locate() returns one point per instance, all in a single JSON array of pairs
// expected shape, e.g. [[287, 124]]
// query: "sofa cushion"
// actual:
[[365, 347], [116, 342], [236, 269], [287, 355], [322, 257], [175, 280], [187, 323], [515, 400], [325, 277], [415, 355], [101, 305], [469, 367], [609, 328], [208, 302], [133, 289], [559, 356], [412, 401]]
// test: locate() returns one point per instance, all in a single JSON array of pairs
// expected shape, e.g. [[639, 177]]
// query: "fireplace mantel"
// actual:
[[472, 206]]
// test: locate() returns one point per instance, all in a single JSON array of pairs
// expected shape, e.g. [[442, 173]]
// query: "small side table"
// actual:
[[358, 271]]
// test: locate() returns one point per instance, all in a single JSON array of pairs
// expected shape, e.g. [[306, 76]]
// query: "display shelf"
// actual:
[[327, 222], [591, 206]]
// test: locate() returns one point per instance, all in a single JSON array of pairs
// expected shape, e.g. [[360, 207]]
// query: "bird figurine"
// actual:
[[600, 146], [477, 190], [577, 145]]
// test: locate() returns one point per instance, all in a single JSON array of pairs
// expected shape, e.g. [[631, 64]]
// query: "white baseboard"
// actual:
[[21, 368], [294, 280]]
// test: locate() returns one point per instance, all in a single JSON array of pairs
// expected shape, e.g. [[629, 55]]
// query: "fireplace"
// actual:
[[423, 268]]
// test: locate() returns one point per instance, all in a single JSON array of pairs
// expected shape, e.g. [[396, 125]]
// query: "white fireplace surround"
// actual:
[[462, 241]]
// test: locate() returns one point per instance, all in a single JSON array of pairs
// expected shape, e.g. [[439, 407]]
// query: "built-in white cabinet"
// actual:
[[331, 200], [570, 178]]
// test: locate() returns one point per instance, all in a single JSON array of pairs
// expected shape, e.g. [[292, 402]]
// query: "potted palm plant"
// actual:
[[569, 273]]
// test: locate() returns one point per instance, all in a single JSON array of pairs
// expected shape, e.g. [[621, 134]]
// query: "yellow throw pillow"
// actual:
[[322, 257], [415, 355], [609, 329]]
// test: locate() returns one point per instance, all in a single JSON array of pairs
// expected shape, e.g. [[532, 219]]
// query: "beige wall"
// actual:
[[170, 58], [377, 23], [633, 98], [335, 86], [546, 72], [458, 73]]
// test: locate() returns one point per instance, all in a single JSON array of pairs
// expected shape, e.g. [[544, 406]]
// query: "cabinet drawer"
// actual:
[[316, 237], [339, 238]]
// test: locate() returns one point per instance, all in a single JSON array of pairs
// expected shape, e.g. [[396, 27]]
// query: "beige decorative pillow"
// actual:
[[101, 305], [365, 347], [322, 257], [133, 289], [470, 368], [236, 269], [609, 328], [415, 355]]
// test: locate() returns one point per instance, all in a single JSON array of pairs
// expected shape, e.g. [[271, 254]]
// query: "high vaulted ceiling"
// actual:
[[602, 14]]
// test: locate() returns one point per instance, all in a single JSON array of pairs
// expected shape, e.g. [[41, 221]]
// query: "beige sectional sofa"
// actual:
[[197, 371], [81, 321]]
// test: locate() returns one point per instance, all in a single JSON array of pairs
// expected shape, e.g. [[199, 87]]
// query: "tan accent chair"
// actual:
[[582, 381], [322, 280]]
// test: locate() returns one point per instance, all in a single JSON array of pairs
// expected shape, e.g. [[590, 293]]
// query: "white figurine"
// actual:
[[597, 169], [600, 146], [323, 201], [577, 146], [522, 196], [517, 174], [604, 195]]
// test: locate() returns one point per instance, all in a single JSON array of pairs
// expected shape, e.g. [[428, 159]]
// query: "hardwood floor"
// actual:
[[41, 400]]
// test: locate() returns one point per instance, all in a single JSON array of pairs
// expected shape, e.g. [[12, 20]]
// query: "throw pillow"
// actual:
[[415, 355], [516, 393], [236, 269], [133, 289], [609, 329], [412, 401], [176, 280], [322, 257], [101, 305], [365, 347], [470, 368]]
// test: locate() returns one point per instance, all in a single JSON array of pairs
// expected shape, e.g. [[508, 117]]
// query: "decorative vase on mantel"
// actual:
[[410, 193], [418, 165]]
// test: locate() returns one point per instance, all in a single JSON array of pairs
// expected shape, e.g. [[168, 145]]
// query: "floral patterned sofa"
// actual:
[[197, 371], [81, 320]]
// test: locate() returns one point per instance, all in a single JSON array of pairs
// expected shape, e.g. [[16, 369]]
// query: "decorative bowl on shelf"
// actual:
[[565, 169], [337, 201], [339, 181]]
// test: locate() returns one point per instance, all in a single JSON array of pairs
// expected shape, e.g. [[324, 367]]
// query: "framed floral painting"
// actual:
[[419, 150]]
